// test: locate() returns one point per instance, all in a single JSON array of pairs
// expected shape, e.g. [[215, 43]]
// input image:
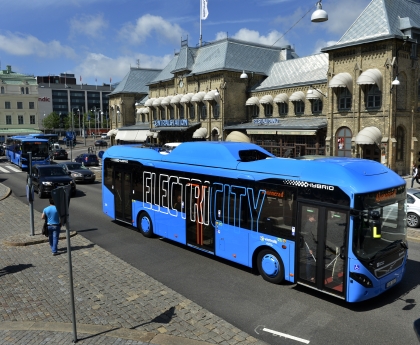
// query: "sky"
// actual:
[[99, 40]]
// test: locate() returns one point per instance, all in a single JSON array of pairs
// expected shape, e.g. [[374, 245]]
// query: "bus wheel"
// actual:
[[270, 266], [145, 225], [413, 220]]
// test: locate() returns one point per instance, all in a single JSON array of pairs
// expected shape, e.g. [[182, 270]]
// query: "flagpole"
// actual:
[[201, 5]]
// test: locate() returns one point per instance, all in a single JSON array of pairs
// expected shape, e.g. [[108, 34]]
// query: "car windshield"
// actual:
[[75, 166], [52, 171]]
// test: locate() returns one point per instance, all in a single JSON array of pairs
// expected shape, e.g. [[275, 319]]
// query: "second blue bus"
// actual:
[[18, 148], [336, 225]]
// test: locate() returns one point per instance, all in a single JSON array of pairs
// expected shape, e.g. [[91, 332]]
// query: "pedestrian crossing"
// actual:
[[7, 169]]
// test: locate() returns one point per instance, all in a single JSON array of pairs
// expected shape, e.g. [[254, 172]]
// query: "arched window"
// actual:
[[154, 113], [191, 110], [283, 108], [162, 112], [27, 90], [268, 109], [343, 139], [216, 110], [373, 97], [171, 112], [299, 107], [344, 99], [253, 110], [22, 90], [2, 89], [400, 137], [202, 110], [316, 106], [181, 111]]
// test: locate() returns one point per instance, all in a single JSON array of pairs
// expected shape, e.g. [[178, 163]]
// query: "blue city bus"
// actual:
[[239, 202], [51, 137], [18, 147]]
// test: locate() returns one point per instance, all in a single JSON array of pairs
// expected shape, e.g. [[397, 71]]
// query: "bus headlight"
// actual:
[[361, 279]]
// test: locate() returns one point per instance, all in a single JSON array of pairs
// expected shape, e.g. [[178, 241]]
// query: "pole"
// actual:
[[30, 194], [84, 134], [201, 5]]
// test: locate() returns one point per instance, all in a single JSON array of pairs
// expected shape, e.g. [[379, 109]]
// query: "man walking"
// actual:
[[414, 174], [54, 225]]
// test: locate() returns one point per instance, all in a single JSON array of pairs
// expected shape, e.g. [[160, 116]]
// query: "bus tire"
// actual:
[[145, 225], [270, 266]]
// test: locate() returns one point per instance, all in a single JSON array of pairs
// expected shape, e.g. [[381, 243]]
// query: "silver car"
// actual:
[[413, 208], [79, 172]]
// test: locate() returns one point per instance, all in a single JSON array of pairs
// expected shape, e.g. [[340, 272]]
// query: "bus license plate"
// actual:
[[390, 283]]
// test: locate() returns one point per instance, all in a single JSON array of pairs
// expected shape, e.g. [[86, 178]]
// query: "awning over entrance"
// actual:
[[314, 94], [166, 101], [145, 111], [267, 99], [186, 98], [198, 97], [149, 102], [297, 96], [281, 98], [236, 136], [112, 132], [157, 102], [210, 96], [252, 101], [370, 77], [369, 136], [141, 135], [176, 99], [132, 135], [342, 80], [200, 133]]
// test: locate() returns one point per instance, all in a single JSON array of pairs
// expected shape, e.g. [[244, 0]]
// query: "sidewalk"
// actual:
[[114, 302]]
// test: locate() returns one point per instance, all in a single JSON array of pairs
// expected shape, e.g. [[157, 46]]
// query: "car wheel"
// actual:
[[40, 195], [270, 266], [413, 220], [145, 225]]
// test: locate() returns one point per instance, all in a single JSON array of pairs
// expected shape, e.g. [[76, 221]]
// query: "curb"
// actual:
[[28, 240]]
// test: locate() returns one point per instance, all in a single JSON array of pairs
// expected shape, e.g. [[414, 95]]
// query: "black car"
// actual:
[[60, 154], [87, 159], [45, 178], [79, 172], [101, 143]]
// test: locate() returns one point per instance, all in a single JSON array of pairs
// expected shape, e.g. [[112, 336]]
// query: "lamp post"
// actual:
[[43, 126]]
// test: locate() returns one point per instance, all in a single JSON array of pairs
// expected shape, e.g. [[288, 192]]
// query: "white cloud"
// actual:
[[88, 25], [24, 45], [149, 24], [254, 36], [322, 44], [103, 67]]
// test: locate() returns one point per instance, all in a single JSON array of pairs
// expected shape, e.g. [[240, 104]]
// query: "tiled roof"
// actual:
[[381, 19], [308, 69], [136, 81]]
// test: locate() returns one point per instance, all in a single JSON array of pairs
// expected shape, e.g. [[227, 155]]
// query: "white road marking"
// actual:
[[4, 170], [13, 168], [286, 335]]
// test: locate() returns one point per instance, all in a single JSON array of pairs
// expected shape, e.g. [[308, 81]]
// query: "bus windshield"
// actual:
[[38, 149], [392, 220]]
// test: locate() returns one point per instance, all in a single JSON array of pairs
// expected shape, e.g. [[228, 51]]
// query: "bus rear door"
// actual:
[[122, 195], [322, 233]]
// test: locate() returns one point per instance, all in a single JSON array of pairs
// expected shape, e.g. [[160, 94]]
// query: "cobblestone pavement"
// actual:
[[114, 302]]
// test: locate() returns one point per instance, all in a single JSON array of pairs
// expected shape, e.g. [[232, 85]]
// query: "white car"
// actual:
[[413, 208], [104, 136]]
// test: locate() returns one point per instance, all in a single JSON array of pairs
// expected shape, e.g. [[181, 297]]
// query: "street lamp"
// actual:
[[43, 126]]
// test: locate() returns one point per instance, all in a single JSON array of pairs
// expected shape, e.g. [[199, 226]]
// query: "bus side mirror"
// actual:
[[375, 225]]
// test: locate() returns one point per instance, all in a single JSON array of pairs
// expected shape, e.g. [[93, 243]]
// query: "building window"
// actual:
[[20, 119], [343, 147], [154, 114], [27, 90], [283, 108], [162, 112], [2, 89], [216, 110], [181, 111], [400, 137], [20, 105], [268, 109], [316, 106], [32, 119], [22, 90], [253, 110], [8, 119], [299, 107], [373, 97], [344, 99], [202, 110], [6, 105], [191, 110], [171, 112], [31, 105]]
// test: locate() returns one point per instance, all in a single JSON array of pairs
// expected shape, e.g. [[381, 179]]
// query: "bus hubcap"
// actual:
[[145, 225], [270, 265]]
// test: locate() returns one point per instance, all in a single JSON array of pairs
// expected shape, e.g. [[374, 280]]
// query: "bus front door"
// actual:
[[122, 196], [322, 235]]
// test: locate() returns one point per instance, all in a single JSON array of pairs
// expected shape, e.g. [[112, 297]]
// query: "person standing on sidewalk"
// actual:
[[54, 225], [413, 174]]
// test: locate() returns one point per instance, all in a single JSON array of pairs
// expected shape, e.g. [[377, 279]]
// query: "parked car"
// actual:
[[79, 172], [87, 159], [45, 178], [104, 136], [60, 154], [101, 143], [413, 208]]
